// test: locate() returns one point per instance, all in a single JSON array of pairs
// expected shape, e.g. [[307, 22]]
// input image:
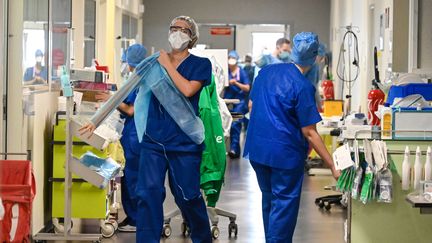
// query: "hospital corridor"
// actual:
[[313, 225], [197, 121]]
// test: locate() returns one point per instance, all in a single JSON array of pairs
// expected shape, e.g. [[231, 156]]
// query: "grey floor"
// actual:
[[241, 196]]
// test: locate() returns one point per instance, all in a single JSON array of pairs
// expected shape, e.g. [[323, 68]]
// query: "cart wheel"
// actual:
[[215, 232], [328, 207], [317, 201], [232, 229], [166, 231], [321, 204], [59, 227], [185, 229], [114, 223], [107, 229]]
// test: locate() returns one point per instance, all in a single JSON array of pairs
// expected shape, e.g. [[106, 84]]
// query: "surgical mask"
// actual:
[[126, 76], [284, 55], [178, 40], [232, 61]]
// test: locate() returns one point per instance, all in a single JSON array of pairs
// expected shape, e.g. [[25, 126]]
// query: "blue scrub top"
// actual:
[[161, 128], [234, 92], [29, 74], [283, 103], [129, 135]]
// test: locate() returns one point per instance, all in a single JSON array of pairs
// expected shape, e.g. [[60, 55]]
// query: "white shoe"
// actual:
[[127, 228]]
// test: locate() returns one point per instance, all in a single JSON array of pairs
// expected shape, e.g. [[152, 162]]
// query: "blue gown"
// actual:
[[165, 147], [234, 92], [131, 148], [283, 103]]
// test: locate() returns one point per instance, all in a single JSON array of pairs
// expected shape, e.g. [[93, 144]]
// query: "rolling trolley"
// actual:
[[17, 190]]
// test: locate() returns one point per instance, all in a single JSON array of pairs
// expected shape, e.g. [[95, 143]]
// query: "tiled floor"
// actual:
[[241, 196]]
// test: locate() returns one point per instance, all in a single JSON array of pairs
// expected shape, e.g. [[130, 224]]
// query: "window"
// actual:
[[129, 27], [129, 31], [44, 46], [89, 32], [264, 42]]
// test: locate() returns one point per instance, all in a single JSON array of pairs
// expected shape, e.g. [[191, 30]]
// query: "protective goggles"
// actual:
[[175, 28]]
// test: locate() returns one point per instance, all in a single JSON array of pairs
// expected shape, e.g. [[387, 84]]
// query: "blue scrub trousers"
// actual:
[[128, 184], [281, 189], [184, 179], [236, 128]]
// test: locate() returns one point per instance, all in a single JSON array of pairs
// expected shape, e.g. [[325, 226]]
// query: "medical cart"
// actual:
[[88, 201]]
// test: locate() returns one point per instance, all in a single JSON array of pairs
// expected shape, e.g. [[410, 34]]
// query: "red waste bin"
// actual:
[[17, 190]]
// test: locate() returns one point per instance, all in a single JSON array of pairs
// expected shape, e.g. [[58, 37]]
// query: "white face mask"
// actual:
[[178, 40], [39, 59], [232, 61]]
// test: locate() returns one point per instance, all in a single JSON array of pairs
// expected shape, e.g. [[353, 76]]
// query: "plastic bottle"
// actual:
[[417, 169], [428, 165], [406, 170], [386, 123]]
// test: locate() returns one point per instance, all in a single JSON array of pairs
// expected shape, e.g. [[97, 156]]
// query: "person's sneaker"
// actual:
[[127, 228], [232, 154], [123, 223]]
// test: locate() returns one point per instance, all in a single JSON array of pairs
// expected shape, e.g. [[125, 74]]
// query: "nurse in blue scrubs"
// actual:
[[165, 147], [131, 147], [238, 89], [282, 123]]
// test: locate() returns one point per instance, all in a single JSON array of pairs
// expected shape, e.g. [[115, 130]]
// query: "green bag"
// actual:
[[214, 156]]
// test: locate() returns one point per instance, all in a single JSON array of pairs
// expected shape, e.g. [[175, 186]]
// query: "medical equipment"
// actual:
[[66, 234], [367, 189], [402, 91], [344, 69], [83, 192], [416, 101], [386, 122], [87, 75], [332, 108], [406, 170], [82, 85], [428, 165], [375, 96], [417, 121], [355, 126], [384, 187], [417, 169], [327, 85], [94, 169]]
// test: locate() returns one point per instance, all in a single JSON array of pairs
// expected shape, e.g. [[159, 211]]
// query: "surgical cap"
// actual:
[[135, 54], [39, 53], [192, 25], [305, 48], [233, 54], [322, 49]]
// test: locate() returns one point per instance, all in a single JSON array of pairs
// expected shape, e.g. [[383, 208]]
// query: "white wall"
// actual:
[[305, 15], [16, 141], [45, 106], [359, 14]]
